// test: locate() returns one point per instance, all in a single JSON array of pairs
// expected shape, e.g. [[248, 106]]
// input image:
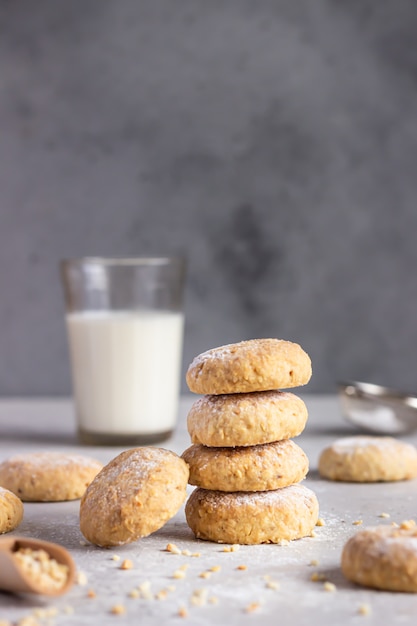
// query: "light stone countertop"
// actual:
[[48, 424]]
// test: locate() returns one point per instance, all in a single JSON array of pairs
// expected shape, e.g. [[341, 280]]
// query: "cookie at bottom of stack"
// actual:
[[252, 517]]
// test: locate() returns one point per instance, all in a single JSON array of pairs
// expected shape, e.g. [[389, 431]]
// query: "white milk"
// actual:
[[126, 370]]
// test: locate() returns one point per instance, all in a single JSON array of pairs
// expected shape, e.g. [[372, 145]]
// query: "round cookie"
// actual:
[[368, 459], [250, 468], [382, 557], [11, 511], [48, 476], [254, 365], [133, 496], [246, 419], [252, 517]]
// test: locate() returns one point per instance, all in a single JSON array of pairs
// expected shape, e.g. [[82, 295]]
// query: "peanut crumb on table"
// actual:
[[407, 524], [254, 606], [182, 612], [126, 564], [328, 586], [199, 597], [364, 609], [386, 515], [357, 522], [91, 593], [320, 522], [242, 567], [115, 557], [174, 549], [81, 578], [118, 609], [314, 562], [272, 584]]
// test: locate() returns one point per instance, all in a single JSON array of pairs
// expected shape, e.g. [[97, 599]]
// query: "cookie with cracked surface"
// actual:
[[11, 511], [133, 496], [246, 419], [252, 517], [48, 476], [250, 468], [382, 557], [368, 459], [253, 365]]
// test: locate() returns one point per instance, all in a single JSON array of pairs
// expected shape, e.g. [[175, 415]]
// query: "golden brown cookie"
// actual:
[[382, 557], [48, 476], [246, 419], [11, 511], [368, 459], [250, 468], [254, 365], [133, 496], [252, 517]]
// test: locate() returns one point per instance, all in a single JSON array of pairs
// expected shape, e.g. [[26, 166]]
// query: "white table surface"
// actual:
[[48, 424]]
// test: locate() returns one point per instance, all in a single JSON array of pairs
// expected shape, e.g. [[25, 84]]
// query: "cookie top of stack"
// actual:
[[248, 366]]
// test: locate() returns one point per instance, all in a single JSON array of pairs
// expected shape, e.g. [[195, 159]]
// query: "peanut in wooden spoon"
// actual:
[[35, 566]]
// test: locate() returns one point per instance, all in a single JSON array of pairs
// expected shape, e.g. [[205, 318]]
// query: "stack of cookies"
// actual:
[[246, 467]]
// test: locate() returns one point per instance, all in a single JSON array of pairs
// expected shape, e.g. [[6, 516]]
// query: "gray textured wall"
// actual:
[[274, 143]]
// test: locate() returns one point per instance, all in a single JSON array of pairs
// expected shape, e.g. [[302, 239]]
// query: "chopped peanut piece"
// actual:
[[171, 547], [407, 524], [126, 564]]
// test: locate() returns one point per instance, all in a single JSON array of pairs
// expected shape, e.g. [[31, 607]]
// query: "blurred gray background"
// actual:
[[271, 142]]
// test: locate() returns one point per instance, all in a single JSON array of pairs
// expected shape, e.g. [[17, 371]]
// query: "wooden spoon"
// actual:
[[17, 578]]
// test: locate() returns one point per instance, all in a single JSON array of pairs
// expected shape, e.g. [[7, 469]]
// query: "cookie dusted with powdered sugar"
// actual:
[[254, 365], [368, 459], [246, 419], [382, 557], [252, 517], [133, 496], [48, 476], [250, 468], [11, 511]]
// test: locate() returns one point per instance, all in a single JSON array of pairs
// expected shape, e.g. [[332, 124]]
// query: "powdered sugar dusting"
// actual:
[[293, 495], [52, 459], [351, 444]]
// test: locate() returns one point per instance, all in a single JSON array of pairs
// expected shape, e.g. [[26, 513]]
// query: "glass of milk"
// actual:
[[125, 331]]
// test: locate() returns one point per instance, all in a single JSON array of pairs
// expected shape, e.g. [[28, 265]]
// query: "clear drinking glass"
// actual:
[[125, 325]]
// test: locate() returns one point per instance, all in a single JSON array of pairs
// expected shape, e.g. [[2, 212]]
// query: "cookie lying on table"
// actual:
[[11, 511], [383, 557], [368, 459], [133, 496], [48, 476]]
